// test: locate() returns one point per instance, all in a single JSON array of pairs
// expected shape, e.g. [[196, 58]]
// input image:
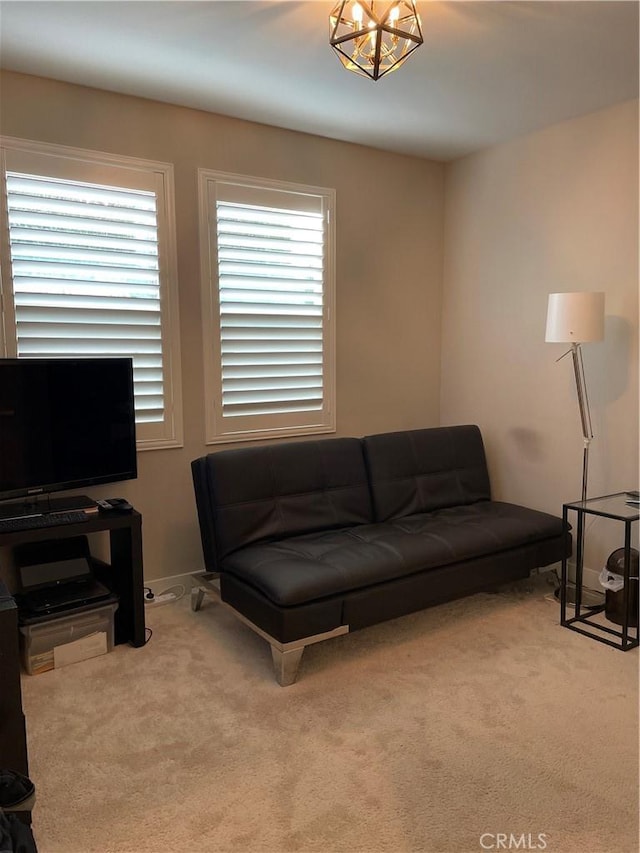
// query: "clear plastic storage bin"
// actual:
[[43, 644]]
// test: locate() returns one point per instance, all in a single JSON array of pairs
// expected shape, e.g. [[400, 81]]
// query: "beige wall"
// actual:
[[388, 274], [556, 210], [553, 211]]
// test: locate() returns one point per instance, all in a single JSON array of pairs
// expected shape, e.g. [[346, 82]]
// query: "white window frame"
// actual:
[[222, 430], [75, 164]]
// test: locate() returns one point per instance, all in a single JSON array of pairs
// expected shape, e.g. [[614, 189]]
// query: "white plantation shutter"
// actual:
[[269, 269], [85, 277], [87, 280], [270, 291]]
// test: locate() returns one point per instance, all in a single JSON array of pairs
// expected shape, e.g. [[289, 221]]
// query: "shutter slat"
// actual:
[[71, 302], [106, 257], [43, 271], [85, 317], [147, 374], [68, 227], [280, 386], [283, 347], [273, 372], [144, 388], [248, 321], [238, 309], [228, 242], [272, 409], [149, 417], [277, 395], [41, 187], [50, 209], [257, 273], [263, 359], [21, 238], [78, 332], [278, 259], [56, 347], [84, 288], [267, 231], [270, 297], [268, 215], [149, 403], [290, 334]]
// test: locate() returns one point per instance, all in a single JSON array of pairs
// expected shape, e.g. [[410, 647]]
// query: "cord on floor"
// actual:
[[178, 595], [168, 596]]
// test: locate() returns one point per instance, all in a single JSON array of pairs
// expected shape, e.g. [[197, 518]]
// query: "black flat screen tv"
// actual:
[[65, 423]]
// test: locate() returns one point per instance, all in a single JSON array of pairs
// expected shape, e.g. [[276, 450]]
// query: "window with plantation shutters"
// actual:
[[267, 258], [89, 252]]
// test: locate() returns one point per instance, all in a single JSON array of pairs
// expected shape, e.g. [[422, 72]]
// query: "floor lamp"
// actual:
[[577, 318]]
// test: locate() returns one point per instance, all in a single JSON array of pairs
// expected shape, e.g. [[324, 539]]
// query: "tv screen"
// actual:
[[65, 423]]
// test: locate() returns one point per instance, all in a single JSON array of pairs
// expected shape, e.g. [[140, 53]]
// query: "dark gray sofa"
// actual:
[[312, 539]]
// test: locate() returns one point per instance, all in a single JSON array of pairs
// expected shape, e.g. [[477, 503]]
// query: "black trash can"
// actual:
[[17, 797], [614, 601]]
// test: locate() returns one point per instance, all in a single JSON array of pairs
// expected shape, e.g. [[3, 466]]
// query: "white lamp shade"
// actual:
[[575, 318]]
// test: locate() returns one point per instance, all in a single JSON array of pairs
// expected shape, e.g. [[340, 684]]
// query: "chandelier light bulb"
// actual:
[[373, 38]]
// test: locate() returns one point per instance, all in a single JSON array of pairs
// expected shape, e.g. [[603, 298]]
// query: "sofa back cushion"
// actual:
[[272, 492], [424, 470]]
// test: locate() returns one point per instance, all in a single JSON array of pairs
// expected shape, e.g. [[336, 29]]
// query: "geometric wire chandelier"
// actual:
[[374, 38]]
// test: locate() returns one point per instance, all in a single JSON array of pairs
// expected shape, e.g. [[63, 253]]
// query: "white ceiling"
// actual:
[[488, 71]]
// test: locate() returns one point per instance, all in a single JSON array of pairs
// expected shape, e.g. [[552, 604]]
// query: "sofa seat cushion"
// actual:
[[305, 568]]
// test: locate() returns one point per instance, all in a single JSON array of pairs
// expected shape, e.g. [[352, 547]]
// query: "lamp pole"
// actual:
[[585, 414]]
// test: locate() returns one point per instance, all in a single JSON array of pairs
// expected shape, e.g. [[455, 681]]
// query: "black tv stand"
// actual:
[[13, 740], [123, 574], [40, 504]]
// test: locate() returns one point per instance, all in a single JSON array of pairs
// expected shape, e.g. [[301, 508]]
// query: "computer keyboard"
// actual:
[[52, 519]]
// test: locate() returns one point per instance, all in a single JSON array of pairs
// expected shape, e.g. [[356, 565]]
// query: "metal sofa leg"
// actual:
[[286, 656], [197, 597], [286, 664], [207, 582]]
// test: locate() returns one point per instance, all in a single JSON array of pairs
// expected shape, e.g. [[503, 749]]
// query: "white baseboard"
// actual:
[[590, 577], [161, 585]]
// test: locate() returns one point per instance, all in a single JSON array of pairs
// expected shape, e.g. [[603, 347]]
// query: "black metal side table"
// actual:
[[583, 621]]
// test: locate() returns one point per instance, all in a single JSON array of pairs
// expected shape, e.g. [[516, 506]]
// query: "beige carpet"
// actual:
[[429, 734]]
